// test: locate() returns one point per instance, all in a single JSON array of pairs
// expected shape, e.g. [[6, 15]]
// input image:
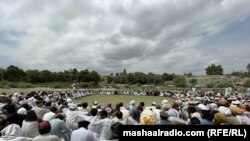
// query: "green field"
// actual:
[[114, 99]]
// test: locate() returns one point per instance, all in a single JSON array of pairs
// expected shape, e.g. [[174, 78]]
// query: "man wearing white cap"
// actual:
[[165, 101], [73, 116], [22, 110], [95, 104], [83, 134], [236, 102]]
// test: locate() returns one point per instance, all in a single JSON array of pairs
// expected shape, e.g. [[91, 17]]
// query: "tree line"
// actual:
[[85, 77], [242, 73], [15, 74], [139, 78]]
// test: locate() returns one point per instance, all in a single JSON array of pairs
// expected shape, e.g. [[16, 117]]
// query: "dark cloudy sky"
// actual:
[[138, 35]]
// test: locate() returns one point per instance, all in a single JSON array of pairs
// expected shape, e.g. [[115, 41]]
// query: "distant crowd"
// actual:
[[53, 116]]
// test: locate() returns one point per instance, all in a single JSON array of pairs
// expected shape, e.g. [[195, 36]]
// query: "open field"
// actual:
[[114, 99]]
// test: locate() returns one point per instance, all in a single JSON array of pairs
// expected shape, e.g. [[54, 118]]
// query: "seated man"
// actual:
[[82, 133], [44, 130]]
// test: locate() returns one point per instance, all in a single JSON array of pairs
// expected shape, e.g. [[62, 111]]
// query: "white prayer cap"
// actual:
[[95, 102], [166, 106], [69, 100], [173, 113], [165, 101], [15, 94], [153, 103], [72, 106], [213, 106], [22, 102], [197, 115], [22, 111], [202, 107], [236, 102], [132, 102], [225, 111]]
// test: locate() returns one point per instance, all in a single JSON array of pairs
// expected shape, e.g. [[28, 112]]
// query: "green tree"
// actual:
[[45, 76], [131, 78], [14, 73], [157, 79], [140, 78], [74, 74], [83, 76], [248, 68], [94, 77], [67, 76], [59, 77], [168, 77], [150, 78], [32, 76], [188, 74], [247, 83], [123, 78], [214, 70], [2, 71], [124, 71], [110, 79]]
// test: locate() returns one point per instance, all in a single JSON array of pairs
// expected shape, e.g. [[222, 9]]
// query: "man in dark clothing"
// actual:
[[12, 116]]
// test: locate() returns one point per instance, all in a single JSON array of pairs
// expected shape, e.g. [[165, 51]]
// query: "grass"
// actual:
[[114, 99], [7, 84], [23, 90]]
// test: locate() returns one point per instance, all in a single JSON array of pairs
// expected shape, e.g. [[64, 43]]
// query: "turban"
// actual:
[[220, 118], [236, 110], [148, 120], [148, 117], [44, 127]]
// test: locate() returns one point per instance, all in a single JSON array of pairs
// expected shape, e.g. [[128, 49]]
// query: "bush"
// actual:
[[56, 85], [247, 83], [3, 84], [13, 85], [84, 85], [180, 82], [25, 85], [127, 86], [225, 85], [115, 86], [93, 85], [210, 85], [193, 81]]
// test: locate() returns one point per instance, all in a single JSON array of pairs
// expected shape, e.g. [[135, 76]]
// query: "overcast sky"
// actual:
[[138, 35]]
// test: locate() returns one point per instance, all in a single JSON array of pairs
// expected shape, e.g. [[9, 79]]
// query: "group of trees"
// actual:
[[218, 70], [214, 70], [139, 78], [16, 74], [146, 79], [242, 73]]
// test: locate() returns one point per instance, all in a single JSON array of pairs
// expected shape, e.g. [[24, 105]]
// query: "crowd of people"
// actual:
[[53, 116]]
